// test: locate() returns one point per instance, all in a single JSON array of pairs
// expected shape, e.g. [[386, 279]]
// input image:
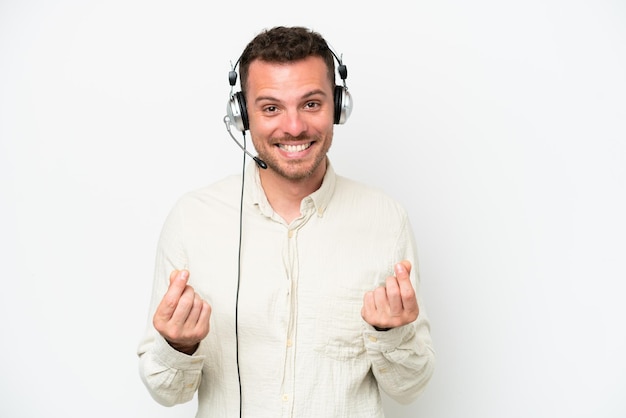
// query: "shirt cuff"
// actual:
[[174, 359], [390, 340]]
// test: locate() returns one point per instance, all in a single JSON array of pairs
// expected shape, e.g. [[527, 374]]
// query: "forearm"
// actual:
[[171, 377], [402, 359]]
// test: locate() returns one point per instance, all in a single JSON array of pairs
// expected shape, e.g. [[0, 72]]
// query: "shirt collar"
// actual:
[[319, 199]]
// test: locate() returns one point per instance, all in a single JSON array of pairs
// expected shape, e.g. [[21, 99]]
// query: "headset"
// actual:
[[237, 114]]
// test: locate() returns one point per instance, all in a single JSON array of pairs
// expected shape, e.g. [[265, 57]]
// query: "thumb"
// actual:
[[403, 265], [179, 277]]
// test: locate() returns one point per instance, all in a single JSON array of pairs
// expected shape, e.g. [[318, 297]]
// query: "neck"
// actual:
[[285, 195]]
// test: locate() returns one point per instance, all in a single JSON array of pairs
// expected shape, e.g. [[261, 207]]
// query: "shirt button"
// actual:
[[373, 339], [290, 233], [289, 343], [285, 397]]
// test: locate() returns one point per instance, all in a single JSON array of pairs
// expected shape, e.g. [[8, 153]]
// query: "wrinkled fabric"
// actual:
[[303, 348]]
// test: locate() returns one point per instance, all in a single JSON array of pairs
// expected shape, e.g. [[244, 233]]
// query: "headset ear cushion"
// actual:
[[338, 100], [241, 99], [236, 111], [343, 105]]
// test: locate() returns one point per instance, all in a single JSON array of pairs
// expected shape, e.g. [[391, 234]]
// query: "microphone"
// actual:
[[257, 160]]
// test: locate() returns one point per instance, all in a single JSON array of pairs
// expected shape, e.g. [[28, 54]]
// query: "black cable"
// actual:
[[243, 176]]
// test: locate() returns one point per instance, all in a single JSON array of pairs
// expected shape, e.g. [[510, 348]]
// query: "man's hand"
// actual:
[[182, 317], [394, 304]]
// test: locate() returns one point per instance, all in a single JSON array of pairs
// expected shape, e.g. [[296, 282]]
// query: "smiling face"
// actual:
[[290, 108]]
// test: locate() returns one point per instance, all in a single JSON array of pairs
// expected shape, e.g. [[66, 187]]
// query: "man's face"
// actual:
[[290, 108]]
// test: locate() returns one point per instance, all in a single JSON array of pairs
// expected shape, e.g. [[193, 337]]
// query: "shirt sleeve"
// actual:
[[170, 376], [403, 358]]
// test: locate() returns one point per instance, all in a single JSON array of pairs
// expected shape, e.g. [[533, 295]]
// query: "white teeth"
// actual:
[[294, 148]]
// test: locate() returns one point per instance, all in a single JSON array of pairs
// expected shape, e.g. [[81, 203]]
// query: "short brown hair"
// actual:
[[285, 44]]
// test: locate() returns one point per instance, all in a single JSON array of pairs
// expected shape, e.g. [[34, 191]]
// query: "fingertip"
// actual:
[[178, 279], [403, 266], [400, 268]]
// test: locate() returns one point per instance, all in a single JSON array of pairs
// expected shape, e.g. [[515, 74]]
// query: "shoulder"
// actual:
[[223, 194], [367, 198]]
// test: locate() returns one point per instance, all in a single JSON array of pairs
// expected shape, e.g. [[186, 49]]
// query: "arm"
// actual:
[[397, 336], [172, 375], [402, 359]]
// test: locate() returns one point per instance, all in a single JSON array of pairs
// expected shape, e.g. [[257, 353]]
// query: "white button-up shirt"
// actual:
[[304, 350]]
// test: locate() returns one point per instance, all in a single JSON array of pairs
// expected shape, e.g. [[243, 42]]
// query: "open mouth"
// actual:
[[294, 148]]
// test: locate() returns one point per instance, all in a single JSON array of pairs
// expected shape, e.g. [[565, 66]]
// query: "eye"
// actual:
[[311, 105], [270, 109]]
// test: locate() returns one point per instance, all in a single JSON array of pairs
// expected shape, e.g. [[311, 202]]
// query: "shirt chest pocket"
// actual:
[[339, 326]]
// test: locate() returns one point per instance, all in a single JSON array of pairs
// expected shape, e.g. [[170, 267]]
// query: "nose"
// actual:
[[293, 123]]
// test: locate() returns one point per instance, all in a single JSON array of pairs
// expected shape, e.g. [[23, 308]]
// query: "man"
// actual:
[[315, 308]]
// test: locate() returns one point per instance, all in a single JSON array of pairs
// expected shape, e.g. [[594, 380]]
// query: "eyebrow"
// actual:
[[305, 96]]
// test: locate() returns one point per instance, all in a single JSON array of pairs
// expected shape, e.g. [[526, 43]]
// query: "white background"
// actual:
[[499, 124]]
